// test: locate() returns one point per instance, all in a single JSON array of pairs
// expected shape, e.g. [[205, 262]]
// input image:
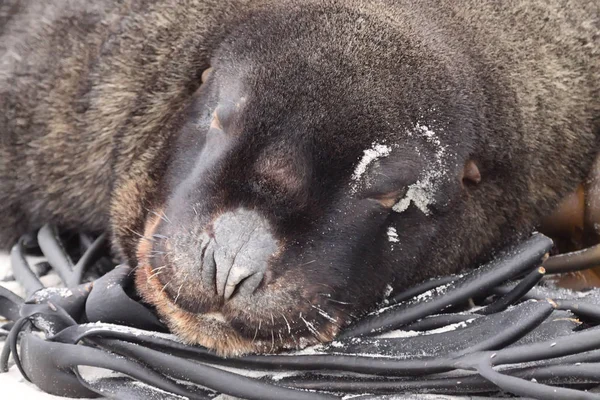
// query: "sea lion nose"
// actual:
[[238, 252]]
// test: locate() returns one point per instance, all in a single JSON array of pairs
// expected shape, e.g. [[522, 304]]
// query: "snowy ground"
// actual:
[[13, 385]]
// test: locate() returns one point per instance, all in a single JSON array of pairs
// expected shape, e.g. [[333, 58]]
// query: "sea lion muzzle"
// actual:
[[236, 253]]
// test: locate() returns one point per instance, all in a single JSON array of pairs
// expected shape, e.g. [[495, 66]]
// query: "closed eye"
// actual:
[[388, 199], [215, 122]]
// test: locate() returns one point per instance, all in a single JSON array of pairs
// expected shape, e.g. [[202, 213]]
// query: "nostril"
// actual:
[[239, 273], [242, 245], [244, 280], [208, 264]]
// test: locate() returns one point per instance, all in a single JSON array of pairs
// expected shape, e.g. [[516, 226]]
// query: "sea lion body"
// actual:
[[370, 144]]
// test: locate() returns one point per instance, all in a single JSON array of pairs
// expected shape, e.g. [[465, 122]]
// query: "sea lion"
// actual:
[[337, 150]]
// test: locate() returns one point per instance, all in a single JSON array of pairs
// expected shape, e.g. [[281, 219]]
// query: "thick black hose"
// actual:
[[515, 294], [22, 271], [507, 265], [574, 261], [55, 253], [572, 360], [534, 390], [211, 377], [91, 255], [422, 288], [67, 357]]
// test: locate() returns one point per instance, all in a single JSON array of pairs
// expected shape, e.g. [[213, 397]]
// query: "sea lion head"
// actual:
[[325, 162]]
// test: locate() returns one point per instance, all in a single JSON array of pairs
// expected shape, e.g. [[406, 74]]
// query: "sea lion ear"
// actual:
[[470, 174], [206, 74]]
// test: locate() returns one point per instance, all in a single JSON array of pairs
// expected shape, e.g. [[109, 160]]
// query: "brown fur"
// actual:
[[91, 93]]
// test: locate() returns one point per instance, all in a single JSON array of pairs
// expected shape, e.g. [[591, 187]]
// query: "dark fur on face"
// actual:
[[370, 145]]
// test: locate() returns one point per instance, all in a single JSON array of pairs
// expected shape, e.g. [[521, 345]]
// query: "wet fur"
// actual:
[[92, 95]]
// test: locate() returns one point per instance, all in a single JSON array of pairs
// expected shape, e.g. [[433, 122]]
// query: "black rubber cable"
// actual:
[[88, 356], [212, 377], [21, 270], [515, 294], [578, 342], [10, 304], [574, 261], [527, 388], [48, 362], [422, 288], [458, 383], [10, 346], [55, 253], [438, 321], [590, 371], [505, 266], [579, 305], [91, 255]]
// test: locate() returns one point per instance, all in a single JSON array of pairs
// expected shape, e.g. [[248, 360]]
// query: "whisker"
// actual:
[[272, 341], [287, 323], [341, 310], [165, 216], [164, 287], [323, 284], [328, 297], [257, 329], [178, 293], [295, 339], [324, 314], [140, 235], [311, 328], [179, 290], [133, 270], [150, 257], [310, 262], [158, 215], [153, 275], [155, 270]]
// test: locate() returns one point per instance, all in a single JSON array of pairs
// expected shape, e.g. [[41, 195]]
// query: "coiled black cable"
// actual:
[[517, 327]]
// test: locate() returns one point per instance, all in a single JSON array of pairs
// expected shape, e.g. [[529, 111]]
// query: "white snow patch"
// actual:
[[422, 193], [388, 291], [95, 374], [450, 328], [276, 376], [154, 393], [280, 375], [405, 334], [392, 234], [423, 297], [309, 351], [439, 290], [99, 326], [46, 326], [44, 294], [375, 152], [398, 334]]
